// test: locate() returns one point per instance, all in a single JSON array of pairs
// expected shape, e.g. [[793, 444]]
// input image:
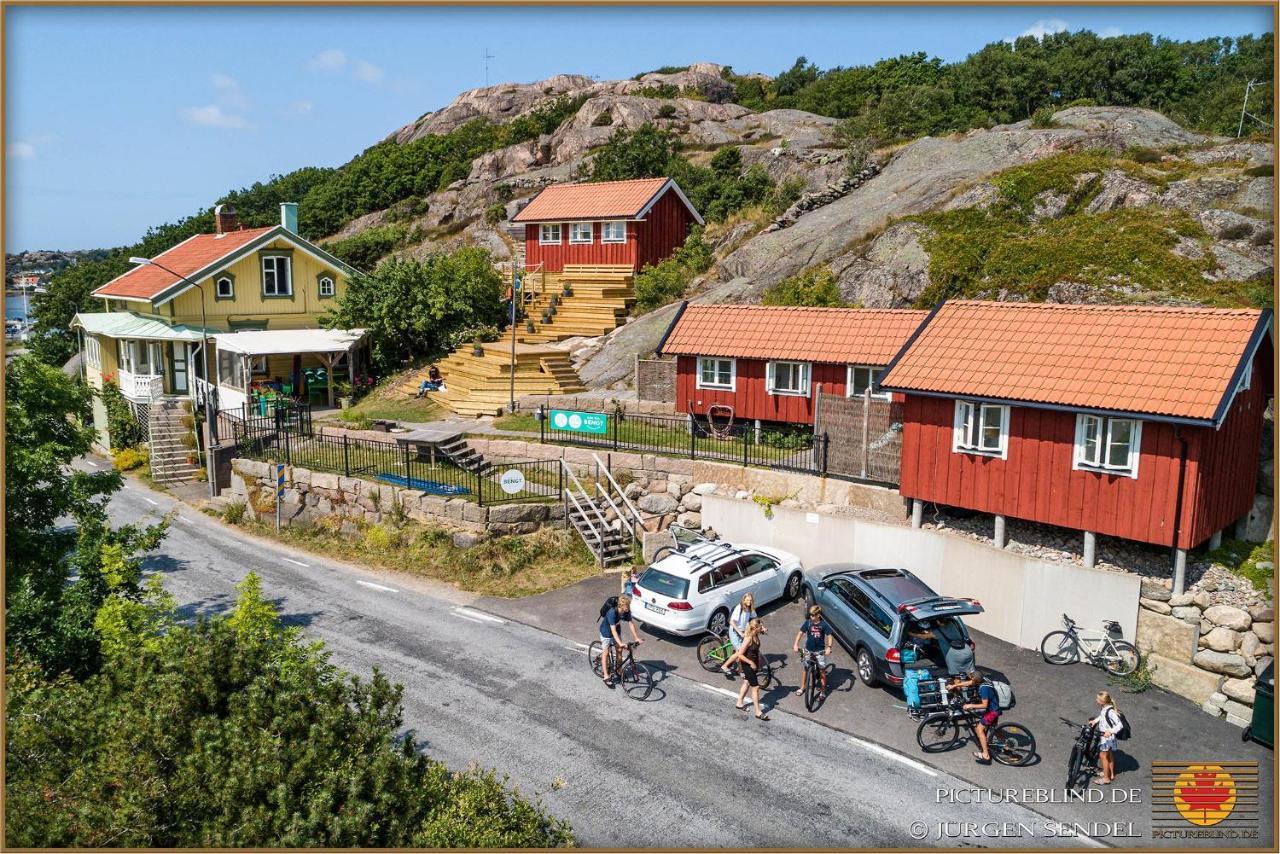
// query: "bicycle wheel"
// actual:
[[637, 681], [1076, 778], [765, 674], [1011, 744], [593, 656], [713, 651], [938, 733], [812, 690], [1060, 648], [1121, 659]]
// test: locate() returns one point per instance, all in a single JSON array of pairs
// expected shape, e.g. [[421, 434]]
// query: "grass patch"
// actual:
[[1135, 682], [506, 567], [1244, 559]]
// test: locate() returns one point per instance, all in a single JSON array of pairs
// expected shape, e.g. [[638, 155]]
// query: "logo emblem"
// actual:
[[1204, 800], [1204, 794]]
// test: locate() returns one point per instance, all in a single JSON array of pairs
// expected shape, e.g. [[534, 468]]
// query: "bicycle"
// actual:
[[636, 679], [1009, 744], [813, 687], [1083, 762], [1117, 657], [715, 649]]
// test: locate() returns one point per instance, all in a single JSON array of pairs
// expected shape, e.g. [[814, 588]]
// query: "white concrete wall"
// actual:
[[1024, 598]]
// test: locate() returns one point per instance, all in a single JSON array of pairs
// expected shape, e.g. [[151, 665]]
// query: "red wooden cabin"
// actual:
[[625, 223], [767, 361], [1102, 418]]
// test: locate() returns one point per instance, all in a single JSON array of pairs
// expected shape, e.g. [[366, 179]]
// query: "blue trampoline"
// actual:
[[429, 486]]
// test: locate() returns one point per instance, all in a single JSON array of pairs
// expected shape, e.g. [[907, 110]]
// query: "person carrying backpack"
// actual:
[[615, 610], [989, 704], [1110, 724]]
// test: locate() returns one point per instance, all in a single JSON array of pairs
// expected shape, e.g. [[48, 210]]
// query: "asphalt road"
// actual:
[[680, 770]]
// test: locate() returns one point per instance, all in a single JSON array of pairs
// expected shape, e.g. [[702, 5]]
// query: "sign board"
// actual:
[[579, 422], [279, 479], [512, 481]]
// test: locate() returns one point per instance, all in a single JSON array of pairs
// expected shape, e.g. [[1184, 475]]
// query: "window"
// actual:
[[277, 276], [224, 287], [258, 365], [327, 288], [726, 574], [861, 378], [716, 373], [549, 233], [861, 605], [581, 232], [657, 581], [230, 369], [1107, 444], [755, 564], [981, 428], [788, 378], [92, 352], [613, 232]]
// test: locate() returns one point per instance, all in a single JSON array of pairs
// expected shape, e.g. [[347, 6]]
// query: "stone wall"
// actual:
[[656, 380], [600, 400], [312, 495], [1209, 645]]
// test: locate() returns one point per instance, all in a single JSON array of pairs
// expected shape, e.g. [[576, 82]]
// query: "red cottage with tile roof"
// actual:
[[1130, 421], [616, 223], [768, 361]]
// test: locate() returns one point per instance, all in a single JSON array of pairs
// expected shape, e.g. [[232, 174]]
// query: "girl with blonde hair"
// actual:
[[1109, 725], [749, 656]]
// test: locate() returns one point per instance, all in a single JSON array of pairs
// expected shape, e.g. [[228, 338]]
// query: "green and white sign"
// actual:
[[579, 422]]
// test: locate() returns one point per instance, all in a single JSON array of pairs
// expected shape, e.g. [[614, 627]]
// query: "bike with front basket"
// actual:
[[1008, 743], [636, 679]]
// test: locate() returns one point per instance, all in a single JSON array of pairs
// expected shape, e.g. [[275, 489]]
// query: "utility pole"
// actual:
[[487, 56], [1249, 87]]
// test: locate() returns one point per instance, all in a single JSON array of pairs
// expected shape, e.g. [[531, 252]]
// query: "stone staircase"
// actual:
[[168, 443]]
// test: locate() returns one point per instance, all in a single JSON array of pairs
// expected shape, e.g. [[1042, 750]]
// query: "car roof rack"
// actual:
[[718, 548]]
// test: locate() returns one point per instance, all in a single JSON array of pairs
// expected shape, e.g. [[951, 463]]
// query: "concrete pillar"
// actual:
[[1215, 541], [1179, 571], [1090, 548], [999, 533], [757, 438], [917, 512]]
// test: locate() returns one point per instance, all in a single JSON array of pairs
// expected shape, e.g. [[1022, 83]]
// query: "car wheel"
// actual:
[[866, 667], [792, 592], [808, 598], [719, 624]]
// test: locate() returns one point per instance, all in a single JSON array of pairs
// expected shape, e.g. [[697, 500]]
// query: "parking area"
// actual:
[[1166, 727]]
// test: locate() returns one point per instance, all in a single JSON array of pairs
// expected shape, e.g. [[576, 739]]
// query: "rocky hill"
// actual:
[[1103, 204]]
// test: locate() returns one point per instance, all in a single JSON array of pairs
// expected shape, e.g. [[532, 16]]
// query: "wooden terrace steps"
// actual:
[[481, 385], [601, 297]]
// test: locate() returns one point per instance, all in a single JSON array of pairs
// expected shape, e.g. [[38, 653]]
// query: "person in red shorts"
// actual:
[[989, 704]]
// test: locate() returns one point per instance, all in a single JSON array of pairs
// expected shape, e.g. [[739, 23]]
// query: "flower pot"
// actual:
[[476, 349], [567, 291], [529, 327], [345, 401]]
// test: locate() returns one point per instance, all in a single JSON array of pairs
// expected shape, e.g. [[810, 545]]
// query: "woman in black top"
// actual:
[[748, 655]]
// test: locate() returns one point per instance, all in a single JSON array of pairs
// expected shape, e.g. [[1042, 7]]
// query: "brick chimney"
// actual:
[[224, 218]]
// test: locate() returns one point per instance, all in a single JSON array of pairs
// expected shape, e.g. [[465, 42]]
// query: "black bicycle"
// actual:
[[1008, 744], [812, 684], [636, 679], [1083, 762]]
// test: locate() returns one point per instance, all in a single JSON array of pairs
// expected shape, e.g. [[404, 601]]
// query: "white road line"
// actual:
[[725, 691], [477, 615], [578, 645], [150, 501], [300, 563], [185, 519], [468, 619], [371, 584], [896, 757], [573, 649]]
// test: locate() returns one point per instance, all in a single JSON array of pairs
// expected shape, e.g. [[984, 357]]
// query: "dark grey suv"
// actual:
[[875, 611]]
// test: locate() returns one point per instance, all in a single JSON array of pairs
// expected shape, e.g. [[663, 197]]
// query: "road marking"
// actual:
[[897, 757], [578, 645], [150, 501], [185, 519], [300, 563], [725, 691], [371, 584], [469, 619], [477, 615]]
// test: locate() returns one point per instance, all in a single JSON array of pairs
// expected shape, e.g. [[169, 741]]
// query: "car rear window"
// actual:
[[657, 581]]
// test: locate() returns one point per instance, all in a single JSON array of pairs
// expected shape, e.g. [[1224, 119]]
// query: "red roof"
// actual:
[[1169, 361], [602, 200], [854, 336], [188, 257]]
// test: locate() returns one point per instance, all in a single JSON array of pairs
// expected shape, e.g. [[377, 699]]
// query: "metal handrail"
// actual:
[[594, 532], [604, 493], [573, 477], [600, 466]]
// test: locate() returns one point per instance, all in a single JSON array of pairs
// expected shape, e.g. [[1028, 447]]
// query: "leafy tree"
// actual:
[[415, 309], [364, 250], [67, 294], [122, 424], [665, 282], [645, 152], [815, 287]]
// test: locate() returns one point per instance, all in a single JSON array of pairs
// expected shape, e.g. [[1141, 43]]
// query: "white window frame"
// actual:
[[92, 352], [332, 289], [231, 287], [1099, 461], [258, 366], [733, 374], [575, 227], [771, 379], [968, 430], [606, 227], [275, 262], [875, 372], [545, 229]]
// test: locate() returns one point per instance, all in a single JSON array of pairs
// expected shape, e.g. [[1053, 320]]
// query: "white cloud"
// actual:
[[21, 150], [213, 116], [301, 108], [1044, 27], [1110, 32], [328, 60], [229, 93], [366, 71]]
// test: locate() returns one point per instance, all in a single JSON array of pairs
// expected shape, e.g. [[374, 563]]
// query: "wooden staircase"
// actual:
[[465, 457], [598, 301], [481, 384]]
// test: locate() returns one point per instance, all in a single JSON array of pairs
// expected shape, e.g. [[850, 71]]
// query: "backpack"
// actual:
[[609, 605], [1125, 730], [1004, 693]]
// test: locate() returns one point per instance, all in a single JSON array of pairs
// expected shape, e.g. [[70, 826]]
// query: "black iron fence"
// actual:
[[696, 438]]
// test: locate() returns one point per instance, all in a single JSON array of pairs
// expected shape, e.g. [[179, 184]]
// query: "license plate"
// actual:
[[654, 608]]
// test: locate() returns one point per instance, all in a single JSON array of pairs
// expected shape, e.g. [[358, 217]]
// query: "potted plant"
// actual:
[[567, 289], [528, 326], [343, 388], [477, 349]]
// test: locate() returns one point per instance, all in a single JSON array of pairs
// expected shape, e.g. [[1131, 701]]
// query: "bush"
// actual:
[[364, 250], [1043, 118], [381, 537], [122, 423], [816, 287], [603, 120], [1142, 154], [784, 196], [1266, 170], [642, 153], [234, 512], [128, 459], [659, 284], [495, 213], [858, 154], [666, 111]]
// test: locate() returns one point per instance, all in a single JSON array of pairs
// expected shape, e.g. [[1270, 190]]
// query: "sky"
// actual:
[[120, 119]]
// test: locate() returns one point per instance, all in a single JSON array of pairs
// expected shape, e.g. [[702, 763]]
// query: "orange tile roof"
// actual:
[[855, 336], [189, 256], [599, 200], [1169, 361]]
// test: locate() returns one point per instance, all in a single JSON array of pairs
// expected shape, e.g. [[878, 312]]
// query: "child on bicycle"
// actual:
[[609, 637], [1108, 724], [989, 704], [816, 632]]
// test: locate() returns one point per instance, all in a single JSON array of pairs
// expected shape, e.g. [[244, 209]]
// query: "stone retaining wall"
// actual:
[[312, 495]]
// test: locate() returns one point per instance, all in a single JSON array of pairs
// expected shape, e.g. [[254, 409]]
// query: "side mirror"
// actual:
[[822, 585]]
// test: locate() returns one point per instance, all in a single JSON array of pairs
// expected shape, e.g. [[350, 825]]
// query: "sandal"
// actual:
[[761, 717], [978, 757], [740, 708], [799, 692]]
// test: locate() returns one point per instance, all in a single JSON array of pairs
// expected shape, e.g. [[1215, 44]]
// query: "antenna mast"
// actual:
[[487, 56]]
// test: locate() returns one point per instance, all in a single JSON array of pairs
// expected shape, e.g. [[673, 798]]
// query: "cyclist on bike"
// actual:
[[609, 637], [816, 632], [989, 704]]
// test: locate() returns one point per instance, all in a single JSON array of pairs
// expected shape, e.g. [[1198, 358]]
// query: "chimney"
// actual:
[[224, 218], [289, 216]]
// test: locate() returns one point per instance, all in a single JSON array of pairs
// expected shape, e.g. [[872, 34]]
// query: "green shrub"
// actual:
[[784, 196], [1266, 170], [1243, 559], [1043, 118], [603, 120], [1142, 154], [659, 284], [666, 111], [355, 420], [128, 459], [495, 213], [382, 537], [858, 154], [122, 424], [662, 90], [816, 287], [364, 250], [234, 512]]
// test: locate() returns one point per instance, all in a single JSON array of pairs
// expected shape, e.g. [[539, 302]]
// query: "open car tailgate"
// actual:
[[932, 607]]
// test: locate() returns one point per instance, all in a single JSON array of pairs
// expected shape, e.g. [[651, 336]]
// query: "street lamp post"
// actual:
[[210, 417]]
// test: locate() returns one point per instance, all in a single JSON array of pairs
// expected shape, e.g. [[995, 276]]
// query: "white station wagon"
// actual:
[[693, 586]]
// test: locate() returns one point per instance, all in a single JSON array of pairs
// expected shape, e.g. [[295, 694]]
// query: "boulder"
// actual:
[[1238, 714], [1119, 190], [651, 541], [1190, 613], [704, 489], [511, 513], [1266, 632], [658, 503], [1229, 225], [1201, 599], [691, 501], [1205, 626], [467, 539], [1166, 636], [1228, 616], [1250, 646], [1158, 592], [1181, 600], [1153, 605], [1185, 680], [1258, 528], [689, 520], [1226, 663], [1221, 640], [1262, 613]]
